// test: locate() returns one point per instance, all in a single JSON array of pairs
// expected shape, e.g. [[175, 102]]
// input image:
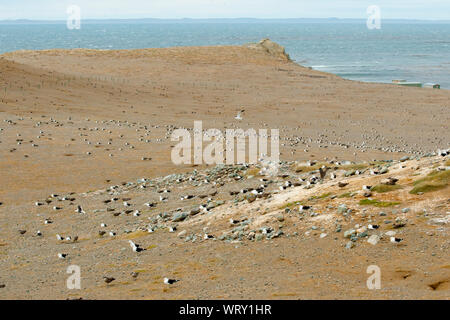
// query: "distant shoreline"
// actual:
[[2, 55], [225, 20]]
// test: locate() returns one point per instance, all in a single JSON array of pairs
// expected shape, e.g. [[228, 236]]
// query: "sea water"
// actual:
[[412, 51]]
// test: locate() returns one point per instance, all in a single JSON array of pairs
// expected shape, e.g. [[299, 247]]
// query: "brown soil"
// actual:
[[101, 96]]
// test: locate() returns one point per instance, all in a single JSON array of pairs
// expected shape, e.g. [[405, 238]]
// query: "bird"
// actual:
[[150, 204], [62, 255], [134, 274], [59, 237], [323, 171], [22, 231], [443, 153], [303, 208], [101, 233], [112, 234], [396, 240], [150, 230], [373, 227], [266, 230], [208, 236], [239, 115], [136, 213], [79, 209], [103, 225], [135, 247], [233, 222], [170, 281], [172, 229], [108, 279], [39, 233], [367, 188]]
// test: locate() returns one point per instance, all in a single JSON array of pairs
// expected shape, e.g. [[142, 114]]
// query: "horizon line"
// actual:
[[212, 19]]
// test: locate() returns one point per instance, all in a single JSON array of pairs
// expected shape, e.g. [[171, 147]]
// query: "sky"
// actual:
[[130, 9]]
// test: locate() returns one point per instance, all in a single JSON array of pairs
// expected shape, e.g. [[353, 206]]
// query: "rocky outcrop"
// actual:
[[272, 48]]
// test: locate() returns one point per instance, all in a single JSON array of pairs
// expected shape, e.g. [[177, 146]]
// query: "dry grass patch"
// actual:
[[306, 168], [134, 235], [252, 172]]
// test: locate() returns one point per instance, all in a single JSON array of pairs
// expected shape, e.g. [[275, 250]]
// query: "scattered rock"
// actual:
[[389, 181], [349, 233], [182, 234], [373, 239], [349, 245], [179, 217]]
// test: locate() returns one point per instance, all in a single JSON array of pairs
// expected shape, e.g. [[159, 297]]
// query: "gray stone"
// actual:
[[349, 233], [179, 217], [342, 208], [373, 239], [403, 159]]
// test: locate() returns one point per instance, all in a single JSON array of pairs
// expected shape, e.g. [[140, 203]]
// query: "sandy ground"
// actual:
[[74, 122]]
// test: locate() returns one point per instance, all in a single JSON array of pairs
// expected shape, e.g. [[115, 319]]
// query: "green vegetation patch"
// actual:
[[346, 195], [382, 188], [289, 205], [356, 166], [434, 181], [377, 203], [322, 196]]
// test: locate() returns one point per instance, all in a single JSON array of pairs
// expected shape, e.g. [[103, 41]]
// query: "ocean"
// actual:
[[418, 52]]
